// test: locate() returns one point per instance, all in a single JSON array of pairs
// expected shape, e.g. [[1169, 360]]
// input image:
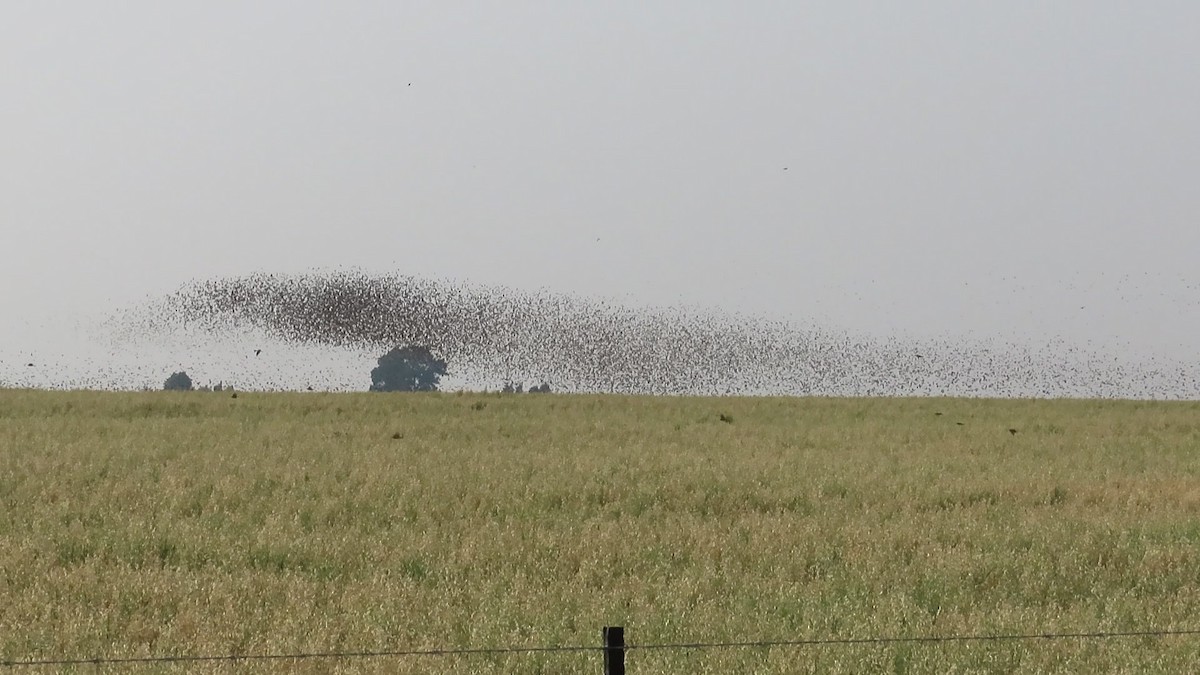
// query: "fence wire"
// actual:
[[479, 651]]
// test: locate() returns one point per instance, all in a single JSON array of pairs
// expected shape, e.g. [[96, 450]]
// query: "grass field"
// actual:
[[170, 524]]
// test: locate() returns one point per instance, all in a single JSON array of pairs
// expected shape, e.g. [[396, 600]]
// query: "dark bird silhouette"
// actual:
[[310, 388], [920, 356], [234, 395], [938, 414], [1013, 432], [257, 352], [959, 423], [28, 365]]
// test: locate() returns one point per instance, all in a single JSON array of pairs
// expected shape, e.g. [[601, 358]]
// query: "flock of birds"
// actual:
[[494, 335]]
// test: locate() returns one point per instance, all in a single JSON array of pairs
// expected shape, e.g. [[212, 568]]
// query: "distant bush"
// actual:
[[510, 388], [178, 382]]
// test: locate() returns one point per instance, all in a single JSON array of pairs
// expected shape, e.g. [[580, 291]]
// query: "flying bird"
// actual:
[[257, 352], [1013, 432]]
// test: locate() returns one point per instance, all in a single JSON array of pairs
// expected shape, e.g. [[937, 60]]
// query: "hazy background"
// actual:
[[1022, 170]]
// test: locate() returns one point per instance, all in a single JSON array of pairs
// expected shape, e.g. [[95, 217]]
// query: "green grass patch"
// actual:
[[193, 523]]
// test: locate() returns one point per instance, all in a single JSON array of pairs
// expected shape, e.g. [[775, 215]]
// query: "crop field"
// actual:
[[175, 524]]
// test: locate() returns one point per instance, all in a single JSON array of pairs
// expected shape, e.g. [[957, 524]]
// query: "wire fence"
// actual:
[[609, 648]]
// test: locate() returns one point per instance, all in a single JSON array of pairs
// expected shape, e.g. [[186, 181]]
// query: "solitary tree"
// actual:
[[412, 368], [178, 382]]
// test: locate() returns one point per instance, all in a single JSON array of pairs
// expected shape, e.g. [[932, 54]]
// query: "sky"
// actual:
[[1021, 170]]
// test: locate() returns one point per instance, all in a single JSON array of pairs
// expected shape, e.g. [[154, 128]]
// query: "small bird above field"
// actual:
[[1013, 432]]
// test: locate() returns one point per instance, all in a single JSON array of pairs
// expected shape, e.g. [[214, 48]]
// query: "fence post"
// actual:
[[614, 650]]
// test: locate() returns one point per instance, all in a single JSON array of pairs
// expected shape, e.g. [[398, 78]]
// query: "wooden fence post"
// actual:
[[614, 650]]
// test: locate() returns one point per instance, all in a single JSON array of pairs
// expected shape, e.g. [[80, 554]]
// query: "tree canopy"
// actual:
[[411, 368], [178, 382]]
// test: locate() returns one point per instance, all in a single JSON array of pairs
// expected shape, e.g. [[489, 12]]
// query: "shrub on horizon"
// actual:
[[178, 382]]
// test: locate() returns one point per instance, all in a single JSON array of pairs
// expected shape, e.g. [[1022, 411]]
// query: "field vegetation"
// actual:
[[185, 523]]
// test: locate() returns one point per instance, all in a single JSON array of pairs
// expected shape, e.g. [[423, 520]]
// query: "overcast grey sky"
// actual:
[[1023, 169]]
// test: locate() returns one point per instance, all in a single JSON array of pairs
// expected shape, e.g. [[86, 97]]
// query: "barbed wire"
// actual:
[[483, 651], [298, 656], [914, 639]]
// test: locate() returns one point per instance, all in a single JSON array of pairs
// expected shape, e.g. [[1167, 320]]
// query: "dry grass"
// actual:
[[156, 524]]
